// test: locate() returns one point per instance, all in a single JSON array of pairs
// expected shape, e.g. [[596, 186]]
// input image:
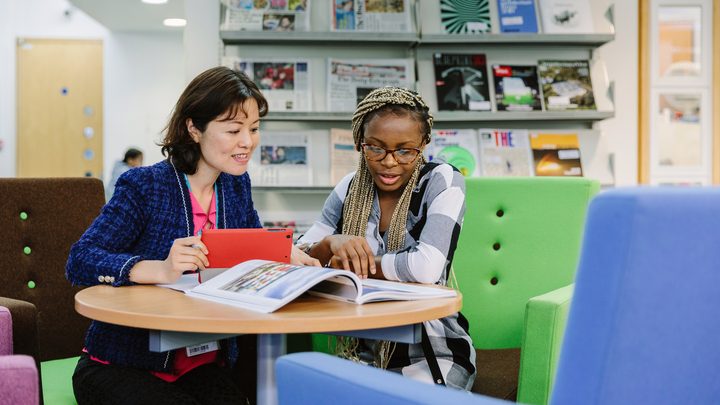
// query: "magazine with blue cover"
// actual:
[[517, 16]]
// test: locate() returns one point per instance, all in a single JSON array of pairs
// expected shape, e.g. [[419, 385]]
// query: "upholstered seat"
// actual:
[[643, 324], [41, 219], [18, 373], [520, 239]]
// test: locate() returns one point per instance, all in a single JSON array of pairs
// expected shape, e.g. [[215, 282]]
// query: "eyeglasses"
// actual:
[[402, 155]]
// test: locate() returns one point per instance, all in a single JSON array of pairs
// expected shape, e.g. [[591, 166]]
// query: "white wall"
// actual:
[[143, 76], [31, 19], [620, 134]]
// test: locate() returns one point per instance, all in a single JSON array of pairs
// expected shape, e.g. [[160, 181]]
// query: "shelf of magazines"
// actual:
[[312, 37], [458, 116], [593, 40]]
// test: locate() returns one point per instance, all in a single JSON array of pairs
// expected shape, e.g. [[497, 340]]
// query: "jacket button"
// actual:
[[101, 279]]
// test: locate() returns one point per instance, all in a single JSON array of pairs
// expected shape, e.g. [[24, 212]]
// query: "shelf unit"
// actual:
[[499, 48]]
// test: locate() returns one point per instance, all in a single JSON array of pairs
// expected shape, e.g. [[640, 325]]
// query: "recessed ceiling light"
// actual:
[[174, 22], [155, 1]]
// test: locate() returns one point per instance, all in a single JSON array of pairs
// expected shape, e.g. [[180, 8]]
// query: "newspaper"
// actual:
[[282, 159], [284, 82], [371, 15], [265, 15], [343, 156], [350, 80]]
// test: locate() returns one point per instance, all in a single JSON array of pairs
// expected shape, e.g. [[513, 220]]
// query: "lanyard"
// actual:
[[217, 207]]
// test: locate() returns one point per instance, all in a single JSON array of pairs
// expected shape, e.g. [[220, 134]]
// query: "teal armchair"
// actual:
[[520, 239]]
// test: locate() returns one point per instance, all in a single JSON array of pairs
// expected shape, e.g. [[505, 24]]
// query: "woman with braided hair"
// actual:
[[398, 217]]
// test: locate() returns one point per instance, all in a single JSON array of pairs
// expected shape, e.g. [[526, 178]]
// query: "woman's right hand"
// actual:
[[353, 252], [186, 254]]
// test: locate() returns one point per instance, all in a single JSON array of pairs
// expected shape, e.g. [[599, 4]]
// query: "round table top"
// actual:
[[157, 308]]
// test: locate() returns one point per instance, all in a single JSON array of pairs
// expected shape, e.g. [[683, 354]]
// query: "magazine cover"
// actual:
[[265, 15], [517, 16], [566, 16], [283, 82], [343, 156], [566, 85], [556, 154], [516, 88], [457, 147], [371, 15], [461, 82], [465, 16], [281, 159], [350, 80], [505, 152]]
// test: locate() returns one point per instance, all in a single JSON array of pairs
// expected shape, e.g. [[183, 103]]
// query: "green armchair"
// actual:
[[520, 239]]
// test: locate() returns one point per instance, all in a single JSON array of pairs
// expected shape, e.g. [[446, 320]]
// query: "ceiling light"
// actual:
[[155, 1], [174, 22]]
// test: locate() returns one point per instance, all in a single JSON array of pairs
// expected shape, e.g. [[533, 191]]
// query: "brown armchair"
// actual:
[[41, 219]]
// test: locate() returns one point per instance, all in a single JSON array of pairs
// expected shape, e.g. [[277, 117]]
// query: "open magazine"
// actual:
[[266, 286]]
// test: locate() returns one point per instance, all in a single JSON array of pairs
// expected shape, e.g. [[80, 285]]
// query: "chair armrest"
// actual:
[[545, 320], [19, 380], [318, 378], [24, 326]]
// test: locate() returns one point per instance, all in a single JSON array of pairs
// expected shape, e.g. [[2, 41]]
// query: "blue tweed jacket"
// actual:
[[149, 210]]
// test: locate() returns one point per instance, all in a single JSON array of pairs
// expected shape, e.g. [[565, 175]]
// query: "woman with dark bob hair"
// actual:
[[148, 233]]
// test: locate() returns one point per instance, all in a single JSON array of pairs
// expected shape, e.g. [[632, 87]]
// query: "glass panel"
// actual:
[[679, 135], [679, 33]]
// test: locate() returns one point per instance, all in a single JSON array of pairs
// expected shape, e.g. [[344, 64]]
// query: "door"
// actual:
[[59, 107]]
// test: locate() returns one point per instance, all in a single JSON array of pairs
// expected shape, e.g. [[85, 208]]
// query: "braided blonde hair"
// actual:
[[358, 204]]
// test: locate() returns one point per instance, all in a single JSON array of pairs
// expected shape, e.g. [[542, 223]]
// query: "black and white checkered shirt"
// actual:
[[434, 219]]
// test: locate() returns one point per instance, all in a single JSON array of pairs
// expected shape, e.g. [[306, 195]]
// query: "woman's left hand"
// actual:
[[298, 257]]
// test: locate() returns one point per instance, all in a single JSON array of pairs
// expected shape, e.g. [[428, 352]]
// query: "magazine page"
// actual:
[[262, 285], [505, 152], [284, 82], [458, 147], [556, 154], [343, 156], [371, 290], [517, 16], [465, 16], [461, 82], [265, 15], [566, 16], [371, 15], [566, 85], [383, 290], [350, 80], [282, 159], [516, 88]]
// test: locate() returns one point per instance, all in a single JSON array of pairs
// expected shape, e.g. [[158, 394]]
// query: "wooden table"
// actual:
[[166, 312]]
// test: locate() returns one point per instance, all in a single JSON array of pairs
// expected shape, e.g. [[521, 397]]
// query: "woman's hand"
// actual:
[[351, 253], [298, 257], [186, 254]]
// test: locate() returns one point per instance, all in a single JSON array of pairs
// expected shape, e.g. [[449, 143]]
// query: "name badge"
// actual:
[[201, 348]]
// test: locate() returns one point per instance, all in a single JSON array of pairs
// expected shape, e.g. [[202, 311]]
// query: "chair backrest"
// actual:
[[520, 238], [644, 324], [41, 219]]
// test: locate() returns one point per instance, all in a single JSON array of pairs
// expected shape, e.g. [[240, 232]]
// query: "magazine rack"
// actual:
[[320, 43]]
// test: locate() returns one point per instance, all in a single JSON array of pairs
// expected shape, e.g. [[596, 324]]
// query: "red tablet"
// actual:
[[228, 247]]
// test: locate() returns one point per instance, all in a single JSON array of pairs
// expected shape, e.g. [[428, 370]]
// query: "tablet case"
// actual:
[[228, 247]]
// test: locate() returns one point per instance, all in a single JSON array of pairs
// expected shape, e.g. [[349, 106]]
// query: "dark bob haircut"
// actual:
[[212, 93]]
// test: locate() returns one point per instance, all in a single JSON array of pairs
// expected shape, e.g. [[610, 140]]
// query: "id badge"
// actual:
[[201, 348]]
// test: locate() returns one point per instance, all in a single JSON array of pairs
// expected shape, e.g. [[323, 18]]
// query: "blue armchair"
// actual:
[[643, 323]]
